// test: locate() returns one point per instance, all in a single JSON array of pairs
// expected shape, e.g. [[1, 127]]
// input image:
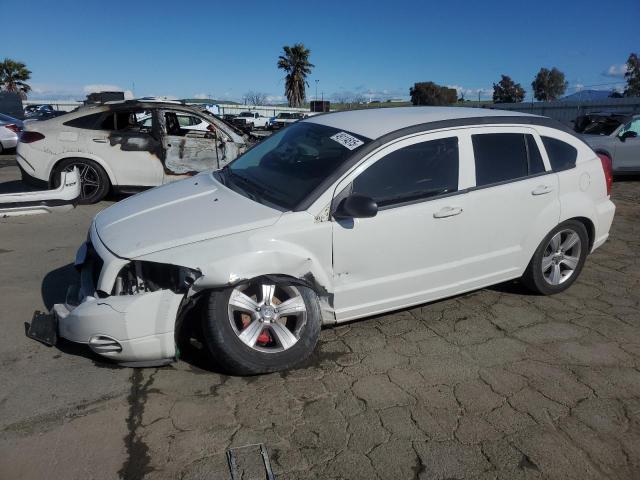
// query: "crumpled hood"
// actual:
[[191, 210]]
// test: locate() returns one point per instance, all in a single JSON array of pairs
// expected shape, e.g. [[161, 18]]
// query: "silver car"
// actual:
[[620, 143]]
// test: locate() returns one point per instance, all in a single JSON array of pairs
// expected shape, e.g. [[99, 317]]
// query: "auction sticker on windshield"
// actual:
[[349, 141]]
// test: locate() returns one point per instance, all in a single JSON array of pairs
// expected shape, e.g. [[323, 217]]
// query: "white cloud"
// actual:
[[275, 98], [616, 71]]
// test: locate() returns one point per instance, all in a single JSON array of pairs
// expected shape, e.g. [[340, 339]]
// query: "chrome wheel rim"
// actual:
[[561, 257], [266, 317], [89, 179]]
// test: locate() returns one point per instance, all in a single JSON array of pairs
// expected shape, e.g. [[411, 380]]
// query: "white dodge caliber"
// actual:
[[337, 217]]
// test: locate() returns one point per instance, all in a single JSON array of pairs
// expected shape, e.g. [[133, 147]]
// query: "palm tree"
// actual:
[[13, 76], [295, 62]]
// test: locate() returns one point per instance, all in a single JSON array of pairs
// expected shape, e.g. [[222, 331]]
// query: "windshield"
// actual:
[[284, 115], [287, 166], [246, 114]]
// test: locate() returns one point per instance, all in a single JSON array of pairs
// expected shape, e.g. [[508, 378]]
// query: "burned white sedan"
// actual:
[[337, 217]]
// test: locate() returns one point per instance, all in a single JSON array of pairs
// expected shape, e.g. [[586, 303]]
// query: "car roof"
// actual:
[[375, 122]]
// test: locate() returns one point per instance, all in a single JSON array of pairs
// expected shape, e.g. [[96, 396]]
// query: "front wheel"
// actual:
[[94, 181], [559, 259], [261, 326]]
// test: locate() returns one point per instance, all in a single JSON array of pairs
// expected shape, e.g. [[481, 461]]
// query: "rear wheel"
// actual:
[[558, 259], [261, 326], [93, 179]]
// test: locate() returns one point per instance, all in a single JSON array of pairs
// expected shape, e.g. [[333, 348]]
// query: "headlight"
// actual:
[[140, 277]]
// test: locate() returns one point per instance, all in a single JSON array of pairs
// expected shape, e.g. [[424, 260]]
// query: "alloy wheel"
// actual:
[[267, 317], [561, 257], [89, 179]]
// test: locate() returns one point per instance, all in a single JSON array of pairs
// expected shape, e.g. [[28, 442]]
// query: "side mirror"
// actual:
[[356, 206], [628, 134]]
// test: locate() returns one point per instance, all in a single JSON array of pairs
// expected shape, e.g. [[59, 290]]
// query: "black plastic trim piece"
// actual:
[[39, 203]]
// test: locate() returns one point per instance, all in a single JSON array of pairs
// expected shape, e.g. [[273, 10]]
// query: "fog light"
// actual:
[[103, 344]]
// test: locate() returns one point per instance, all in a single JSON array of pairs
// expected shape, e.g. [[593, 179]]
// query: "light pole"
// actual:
[[317, 89]]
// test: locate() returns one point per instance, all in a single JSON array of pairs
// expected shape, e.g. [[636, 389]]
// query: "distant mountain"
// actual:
[[587, 95]]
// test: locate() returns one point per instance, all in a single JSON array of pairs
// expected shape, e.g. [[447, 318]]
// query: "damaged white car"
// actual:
[[126, 146], [334, 218]]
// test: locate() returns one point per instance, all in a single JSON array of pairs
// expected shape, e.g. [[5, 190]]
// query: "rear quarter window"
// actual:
[[561, 155], [88, 122]]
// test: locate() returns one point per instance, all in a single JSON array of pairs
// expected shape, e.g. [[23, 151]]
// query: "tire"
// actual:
[[563, 251], [1, 149], [94, 180], [238, 317]]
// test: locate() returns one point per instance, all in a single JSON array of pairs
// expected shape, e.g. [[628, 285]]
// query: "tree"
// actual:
[[429, 93], [507, 91], [255, 98], [549, 84], [632, 76], [295, 62], [13, 76]]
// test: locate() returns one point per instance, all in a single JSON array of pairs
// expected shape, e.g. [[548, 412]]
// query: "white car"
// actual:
[[9, 130], [334, 218], [251, 120], [186, 121], [112, 150]]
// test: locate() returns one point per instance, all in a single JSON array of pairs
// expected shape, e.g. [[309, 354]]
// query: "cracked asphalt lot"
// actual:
[[493, 384]]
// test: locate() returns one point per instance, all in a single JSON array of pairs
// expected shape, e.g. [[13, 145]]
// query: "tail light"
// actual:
[[27, 136], [608, 170], [13, 127]]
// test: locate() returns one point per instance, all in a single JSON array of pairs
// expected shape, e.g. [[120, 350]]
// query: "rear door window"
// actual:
[[501, 157], [561, 155], [419, 171]]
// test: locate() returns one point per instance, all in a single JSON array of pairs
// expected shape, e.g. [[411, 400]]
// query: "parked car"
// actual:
[[187, 122], [250, 120], [9, 130], [336, 217], [112, 150], [41, 115], [617, 137], [284, 119]]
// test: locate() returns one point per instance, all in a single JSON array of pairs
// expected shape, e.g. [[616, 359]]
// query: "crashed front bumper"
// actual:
[[61, 199], [129, 329]]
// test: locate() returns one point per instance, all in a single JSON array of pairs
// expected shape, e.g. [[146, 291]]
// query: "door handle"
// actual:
[[447, 212], [541, 190], [100, 140]]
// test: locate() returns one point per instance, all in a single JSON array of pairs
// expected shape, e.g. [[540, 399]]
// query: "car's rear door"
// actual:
[[413, 250], [514, 204], [131, 150]]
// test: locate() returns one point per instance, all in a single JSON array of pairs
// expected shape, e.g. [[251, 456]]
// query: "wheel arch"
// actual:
[[589, 226], [84, 156]]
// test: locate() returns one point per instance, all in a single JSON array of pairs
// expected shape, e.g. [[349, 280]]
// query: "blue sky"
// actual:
[[226, 48]]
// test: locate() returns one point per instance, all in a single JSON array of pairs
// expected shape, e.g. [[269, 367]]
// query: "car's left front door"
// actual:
[[187, 151], [413, 250]]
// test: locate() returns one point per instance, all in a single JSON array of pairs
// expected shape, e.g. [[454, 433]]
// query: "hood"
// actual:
[[187, 211]]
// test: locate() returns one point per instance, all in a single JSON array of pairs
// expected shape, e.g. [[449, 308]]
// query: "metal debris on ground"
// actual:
[[250, 462]]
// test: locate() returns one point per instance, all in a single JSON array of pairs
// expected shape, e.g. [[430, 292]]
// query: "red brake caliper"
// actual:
[[264, 336]]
